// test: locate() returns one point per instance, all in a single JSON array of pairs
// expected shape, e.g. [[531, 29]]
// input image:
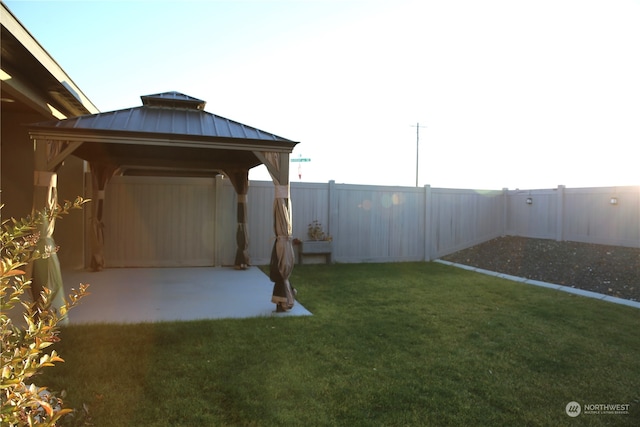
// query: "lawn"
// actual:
[[388, 345]]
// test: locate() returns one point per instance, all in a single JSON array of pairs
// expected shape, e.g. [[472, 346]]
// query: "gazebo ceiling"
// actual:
[[170, 131], [154, 157]]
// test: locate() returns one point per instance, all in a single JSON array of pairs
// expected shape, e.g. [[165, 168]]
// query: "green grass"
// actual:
[[388, 345]]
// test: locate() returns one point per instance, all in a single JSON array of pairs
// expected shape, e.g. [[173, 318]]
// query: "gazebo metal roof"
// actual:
[[170, 131], [170, 113]]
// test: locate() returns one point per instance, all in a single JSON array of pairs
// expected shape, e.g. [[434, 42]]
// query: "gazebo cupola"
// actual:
[[173, 100]]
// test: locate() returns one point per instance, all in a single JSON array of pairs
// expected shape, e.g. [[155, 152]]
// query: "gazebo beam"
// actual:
[[277, 164], [284, 169], [271, 167], [59, 151]]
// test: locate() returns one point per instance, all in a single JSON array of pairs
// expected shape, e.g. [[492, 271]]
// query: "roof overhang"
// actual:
[[158, 139], [31, 78]]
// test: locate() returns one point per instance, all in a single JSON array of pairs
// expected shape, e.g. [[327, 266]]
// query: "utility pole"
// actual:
[[417, 126]]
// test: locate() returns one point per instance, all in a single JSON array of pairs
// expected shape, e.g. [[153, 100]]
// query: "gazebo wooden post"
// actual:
[[100, 175]]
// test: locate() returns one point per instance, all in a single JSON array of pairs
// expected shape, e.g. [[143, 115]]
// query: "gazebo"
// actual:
[[169, 135]]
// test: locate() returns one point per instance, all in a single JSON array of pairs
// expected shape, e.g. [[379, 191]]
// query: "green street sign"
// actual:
[[301, 159]]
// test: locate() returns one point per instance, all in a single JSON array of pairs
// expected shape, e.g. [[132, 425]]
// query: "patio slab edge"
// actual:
[[576, 291]]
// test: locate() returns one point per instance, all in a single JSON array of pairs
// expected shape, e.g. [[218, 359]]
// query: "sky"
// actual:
[[507, 93]]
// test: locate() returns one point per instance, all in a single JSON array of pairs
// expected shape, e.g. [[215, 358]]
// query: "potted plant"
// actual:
[[319, 242]]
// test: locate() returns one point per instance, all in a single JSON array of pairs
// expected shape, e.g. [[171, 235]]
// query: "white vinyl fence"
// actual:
[[387, 224], [367, 223], [606, 215]]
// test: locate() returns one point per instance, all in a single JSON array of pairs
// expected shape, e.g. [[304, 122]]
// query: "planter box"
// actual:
[[312, 248]]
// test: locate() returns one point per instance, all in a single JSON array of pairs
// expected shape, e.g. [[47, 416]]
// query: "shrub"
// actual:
[[24, 348]]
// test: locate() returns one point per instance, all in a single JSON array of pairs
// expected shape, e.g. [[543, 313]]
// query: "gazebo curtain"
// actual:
[[282, 255], [100, 175], [240, 181], [46, 271]]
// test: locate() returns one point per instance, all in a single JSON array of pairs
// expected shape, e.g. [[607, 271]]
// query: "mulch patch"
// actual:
[[609, 270]]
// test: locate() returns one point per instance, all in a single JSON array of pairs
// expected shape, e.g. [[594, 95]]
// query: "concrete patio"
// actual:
[[134, 295]]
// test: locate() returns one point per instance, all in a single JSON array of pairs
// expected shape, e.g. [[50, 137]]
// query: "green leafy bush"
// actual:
[[24, 349]]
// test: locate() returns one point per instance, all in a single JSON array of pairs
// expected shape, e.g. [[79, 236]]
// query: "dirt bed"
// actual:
[[609, 270]]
